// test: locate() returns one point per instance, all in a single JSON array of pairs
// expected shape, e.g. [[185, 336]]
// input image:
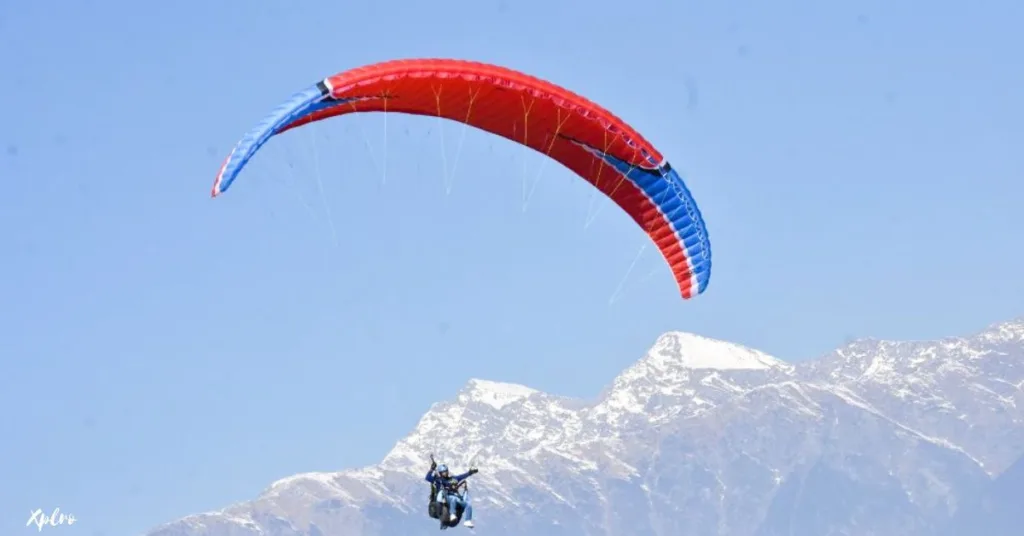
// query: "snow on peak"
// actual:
[[495, 394], [696, 352], [1012, 331], [683, 375]]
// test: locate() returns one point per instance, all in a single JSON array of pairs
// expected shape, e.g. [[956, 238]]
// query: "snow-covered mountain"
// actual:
[[703, 437]]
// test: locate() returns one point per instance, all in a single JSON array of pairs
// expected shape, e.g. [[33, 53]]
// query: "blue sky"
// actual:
[[859, 168]]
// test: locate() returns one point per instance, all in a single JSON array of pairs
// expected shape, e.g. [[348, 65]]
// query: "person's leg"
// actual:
[[453, 501], [467, 510]]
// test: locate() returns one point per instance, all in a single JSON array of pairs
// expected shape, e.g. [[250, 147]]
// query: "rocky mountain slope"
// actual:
[[703, 437]]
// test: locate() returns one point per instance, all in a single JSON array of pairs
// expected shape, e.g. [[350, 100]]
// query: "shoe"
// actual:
[[468, 524]]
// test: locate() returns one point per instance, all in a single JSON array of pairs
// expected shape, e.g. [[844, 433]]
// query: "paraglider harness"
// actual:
[[439, 509]]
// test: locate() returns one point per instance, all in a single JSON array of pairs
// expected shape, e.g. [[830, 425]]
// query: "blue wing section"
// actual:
[[297, 106], [666, 189]]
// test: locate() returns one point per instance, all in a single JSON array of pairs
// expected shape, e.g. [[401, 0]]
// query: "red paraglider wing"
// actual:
[[579, 134]]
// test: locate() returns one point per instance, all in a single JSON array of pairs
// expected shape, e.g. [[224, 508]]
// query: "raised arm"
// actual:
[[430, 472], [472, 471]]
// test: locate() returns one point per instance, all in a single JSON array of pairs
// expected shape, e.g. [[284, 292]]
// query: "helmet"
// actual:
[[442, 469]]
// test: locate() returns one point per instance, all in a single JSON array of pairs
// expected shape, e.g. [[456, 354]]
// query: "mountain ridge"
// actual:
[[730, 417]]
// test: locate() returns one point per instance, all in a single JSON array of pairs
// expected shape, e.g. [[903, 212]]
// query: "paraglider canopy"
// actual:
[[596, 145]]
